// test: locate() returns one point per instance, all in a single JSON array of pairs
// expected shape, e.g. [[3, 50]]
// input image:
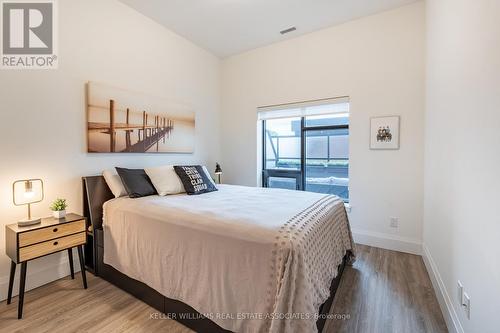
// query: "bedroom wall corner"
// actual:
[[378, 61], [462, 140]]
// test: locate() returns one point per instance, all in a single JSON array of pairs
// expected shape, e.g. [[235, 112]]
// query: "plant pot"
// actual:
[[59, 214]]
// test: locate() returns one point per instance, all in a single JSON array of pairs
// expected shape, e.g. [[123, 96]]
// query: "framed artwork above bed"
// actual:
[[120, 121]]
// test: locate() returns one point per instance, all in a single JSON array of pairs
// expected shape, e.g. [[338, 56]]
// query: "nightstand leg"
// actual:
[[82, 265], [22, 282], [70, 256], [11, 280]]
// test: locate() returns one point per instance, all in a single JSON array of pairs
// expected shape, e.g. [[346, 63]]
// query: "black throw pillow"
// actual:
[[136, 182], [194, 179]]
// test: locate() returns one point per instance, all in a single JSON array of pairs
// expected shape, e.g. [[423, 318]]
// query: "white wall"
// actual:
[[379, 62], [42, 113], [462, 159]]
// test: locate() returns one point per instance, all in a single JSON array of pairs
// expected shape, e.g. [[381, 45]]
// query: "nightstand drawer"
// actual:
[[54, 245], [45, 234]]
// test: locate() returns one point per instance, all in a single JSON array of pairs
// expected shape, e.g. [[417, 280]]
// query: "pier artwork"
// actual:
[[124, 124], [148, 135]]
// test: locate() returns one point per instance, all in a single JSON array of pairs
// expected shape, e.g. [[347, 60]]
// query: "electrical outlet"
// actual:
[[460, 292], [467, 305], [394, 222]]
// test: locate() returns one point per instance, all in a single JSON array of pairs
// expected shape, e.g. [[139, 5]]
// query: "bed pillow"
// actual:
[[136, 182], [114, 182], [165, 180], [194, 179], [209, 175]]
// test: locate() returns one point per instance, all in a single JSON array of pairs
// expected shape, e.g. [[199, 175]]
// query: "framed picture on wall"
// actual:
[[384, 132], [122, 121]]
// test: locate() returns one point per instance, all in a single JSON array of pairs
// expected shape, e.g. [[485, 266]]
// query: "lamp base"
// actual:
[[27, 222]]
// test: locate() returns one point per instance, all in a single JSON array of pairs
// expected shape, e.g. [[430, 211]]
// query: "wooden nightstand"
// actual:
[[51, 235]]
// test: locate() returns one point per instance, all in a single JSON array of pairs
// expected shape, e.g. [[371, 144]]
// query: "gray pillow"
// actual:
[[136, 182]]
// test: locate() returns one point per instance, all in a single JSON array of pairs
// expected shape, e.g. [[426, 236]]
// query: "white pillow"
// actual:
[[165, 180], [114, 183]]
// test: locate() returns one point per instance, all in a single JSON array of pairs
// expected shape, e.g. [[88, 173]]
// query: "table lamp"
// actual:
[[218, 171], [27, 192]]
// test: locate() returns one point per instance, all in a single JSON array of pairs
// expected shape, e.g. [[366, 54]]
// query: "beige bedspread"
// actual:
[[250, 259]]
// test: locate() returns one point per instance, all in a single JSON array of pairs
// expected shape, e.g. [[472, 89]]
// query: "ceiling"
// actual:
[[228, 27]]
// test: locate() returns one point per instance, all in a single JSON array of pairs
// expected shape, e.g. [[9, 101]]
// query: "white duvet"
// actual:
[[244, 257]]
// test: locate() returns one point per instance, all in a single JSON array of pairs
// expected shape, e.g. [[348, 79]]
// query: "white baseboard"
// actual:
[[37, 278], [387, 241], [445, 302]]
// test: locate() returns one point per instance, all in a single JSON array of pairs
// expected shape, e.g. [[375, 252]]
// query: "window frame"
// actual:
[[301, 184]]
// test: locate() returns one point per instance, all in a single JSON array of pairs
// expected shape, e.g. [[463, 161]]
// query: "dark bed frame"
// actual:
[[95, 193]]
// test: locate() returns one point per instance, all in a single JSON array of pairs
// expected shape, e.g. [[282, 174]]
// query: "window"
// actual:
[[306, 146]]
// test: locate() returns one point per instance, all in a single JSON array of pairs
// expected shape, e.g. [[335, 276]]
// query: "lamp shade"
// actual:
[[27, 191], [218, 169]]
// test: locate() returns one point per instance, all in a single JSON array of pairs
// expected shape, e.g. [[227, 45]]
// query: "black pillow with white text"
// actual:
[[194, 179]]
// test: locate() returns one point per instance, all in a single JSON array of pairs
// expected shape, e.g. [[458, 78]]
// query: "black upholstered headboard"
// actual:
[[95, 193]]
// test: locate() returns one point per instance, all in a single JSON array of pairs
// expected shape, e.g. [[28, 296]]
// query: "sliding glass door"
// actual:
[[309, 152], [282, 151], [327, 158]]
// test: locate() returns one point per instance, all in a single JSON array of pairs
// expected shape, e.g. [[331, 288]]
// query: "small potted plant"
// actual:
[[58, 208]]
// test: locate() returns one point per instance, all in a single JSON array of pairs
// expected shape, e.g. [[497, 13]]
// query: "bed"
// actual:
[[240, 259]]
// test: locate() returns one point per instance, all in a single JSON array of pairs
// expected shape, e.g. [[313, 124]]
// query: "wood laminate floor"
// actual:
[[384, 291]]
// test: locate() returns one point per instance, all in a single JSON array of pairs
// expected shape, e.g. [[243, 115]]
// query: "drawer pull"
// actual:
[[55, 230], [55, 243]]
